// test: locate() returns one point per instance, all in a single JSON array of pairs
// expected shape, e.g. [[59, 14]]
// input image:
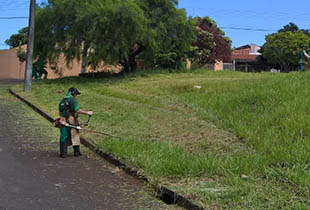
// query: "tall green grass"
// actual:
[[164, 159], [269, 113], [167, 131]]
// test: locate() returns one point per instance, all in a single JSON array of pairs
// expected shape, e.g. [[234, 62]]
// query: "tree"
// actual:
[[148, 29], [113, 31], [118, 30], [18, 39], [283, 49], [175, 42], [292, 27], [62, 27], [211, 43]]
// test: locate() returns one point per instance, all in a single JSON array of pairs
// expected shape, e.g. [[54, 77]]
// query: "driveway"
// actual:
[[33, 177]]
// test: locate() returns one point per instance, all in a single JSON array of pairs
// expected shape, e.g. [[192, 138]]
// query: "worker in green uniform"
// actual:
[[179, 64], [302, 60], [39, 67], [68, 111], [34, 72]]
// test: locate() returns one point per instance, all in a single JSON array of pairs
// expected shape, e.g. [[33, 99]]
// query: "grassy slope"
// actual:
[[255, 157]]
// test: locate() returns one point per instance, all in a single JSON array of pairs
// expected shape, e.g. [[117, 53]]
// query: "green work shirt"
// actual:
[[39, 65], [65, 132]]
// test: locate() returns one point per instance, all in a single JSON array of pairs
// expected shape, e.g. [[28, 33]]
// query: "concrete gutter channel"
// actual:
[[166, 195]]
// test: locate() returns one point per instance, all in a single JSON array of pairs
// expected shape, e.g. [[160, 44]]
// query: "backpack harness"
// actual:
[[66, 104]]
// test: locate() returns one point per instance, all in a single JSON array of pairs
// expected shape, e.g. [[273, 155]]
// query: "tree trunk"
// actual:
[[132, 58], [132, 63], [125, 64], [84, 58]]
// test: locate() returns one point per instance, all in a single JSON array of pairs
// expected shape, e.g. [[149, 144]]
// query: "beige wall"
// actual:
[[73, 70], [11, 68]]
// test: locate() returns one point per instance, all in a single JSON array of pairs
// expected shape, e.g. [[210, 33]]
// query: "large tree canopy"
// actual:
[[211, 44], [63, 27], [283, 48], [114, 31], [170, 33]]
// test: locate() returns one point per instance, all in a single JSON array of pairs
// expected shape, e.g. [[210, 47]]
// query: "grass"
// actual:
[[240, 141]]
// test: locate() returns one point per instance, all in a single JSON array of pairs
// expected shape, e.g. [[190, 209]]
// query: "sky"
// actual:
[[243, 21]]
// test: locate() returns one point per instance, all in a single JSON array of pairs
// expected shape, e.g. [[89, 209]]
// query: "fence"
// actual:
[[252, 67], [244, 67], [229, 66], [225, 66]]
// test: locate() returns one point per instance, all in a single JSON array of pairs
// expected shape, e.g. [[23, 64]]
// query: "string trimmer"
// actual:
[[58, 124]]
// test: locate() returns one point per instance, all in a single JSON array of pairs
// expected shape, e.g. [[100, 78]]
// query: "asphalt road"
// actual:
[[33, 177]]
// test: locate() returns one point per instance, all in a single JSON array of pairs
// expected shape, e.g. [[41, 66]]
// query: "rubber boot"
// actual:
[[63, 149], [77, 151]]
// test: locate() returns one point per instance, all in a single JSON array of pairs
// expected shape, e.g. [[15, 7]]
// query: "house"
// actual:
[[244, 58], [245, 54]]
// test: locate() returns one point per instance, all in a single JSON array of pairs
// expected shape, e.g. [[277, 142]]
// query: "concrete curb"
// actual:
[[167, 195]]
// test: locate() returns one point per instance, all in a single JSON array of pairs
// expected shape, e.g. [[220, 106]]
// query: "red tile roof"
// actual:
[[245, 53]]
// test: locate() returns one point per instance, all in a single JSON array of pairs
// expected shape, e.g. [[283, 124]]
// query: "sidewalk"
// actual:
[[33, 177]]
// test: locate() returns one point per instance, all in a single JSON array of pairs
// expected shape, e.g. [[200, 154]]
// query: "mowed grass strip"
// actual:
[[227, 138]]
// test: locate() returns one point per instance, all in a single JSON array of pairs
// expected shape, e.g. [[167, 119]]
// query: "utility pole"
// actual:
[[28, 70]]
